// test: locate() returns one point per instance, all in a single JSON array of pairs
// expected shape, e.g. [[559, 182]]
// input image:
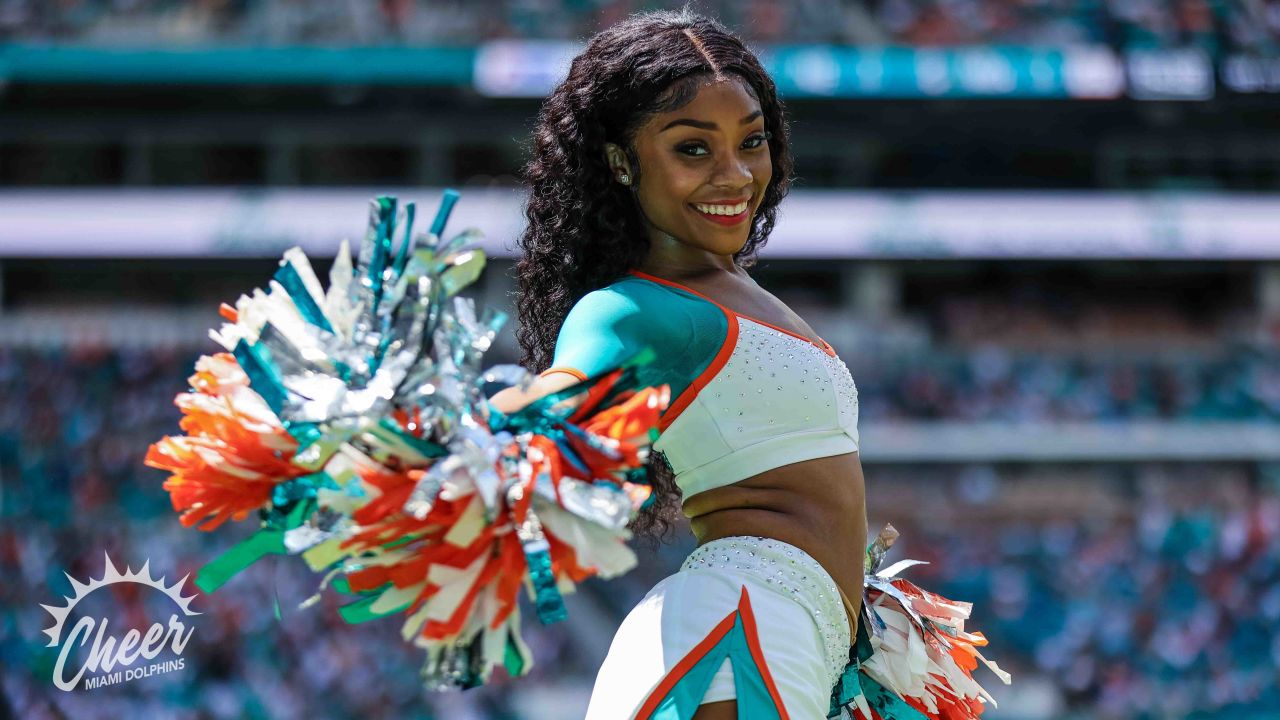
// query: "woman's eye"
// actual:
[[696, 150]]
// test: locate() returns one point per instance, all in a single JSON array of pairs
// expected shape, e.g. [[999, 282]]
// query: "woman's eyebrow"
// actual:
[[705, 125]]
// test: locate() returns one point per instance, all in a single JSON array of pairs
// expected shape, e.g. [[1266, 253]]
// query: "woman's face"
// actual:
[[704, 170]]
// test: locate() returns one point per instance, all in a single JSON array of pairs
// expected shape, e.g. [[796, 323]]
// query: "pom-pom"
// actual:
[[912, 658], [352, 422]]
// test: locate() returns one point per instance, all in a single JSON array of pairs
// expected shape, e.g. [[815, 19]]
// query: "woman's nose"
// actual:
[[732, 171]]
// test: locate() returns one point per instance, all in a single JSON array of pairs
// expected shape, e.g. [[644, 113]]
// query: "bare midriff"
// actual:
[[817, 505]]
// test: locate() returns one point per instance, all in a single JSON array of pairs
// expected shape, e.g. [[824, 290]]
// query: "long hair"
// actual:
[[585, 230]]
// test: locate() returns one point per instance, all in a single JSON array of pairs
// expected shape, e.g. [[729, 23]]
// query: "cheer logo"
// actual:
[[111, 660]]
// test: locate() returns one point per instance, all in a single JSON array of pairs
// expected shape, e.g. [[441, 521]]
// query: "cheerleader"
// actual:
[[658, 168]]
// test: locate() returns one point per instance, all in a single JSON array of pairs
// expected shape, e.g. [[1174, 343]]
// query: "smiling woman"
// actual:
[[659, 164], [706, 168]]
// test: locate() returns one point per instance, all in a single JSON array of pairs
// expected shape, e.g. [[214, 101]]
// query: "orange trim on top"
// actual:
[[753, 642], [565, 369], [659, 693], [824, 346], [722, 357]]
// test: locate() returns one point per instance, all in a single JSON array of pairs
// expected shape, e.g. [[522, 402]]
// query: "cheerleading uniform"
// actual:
[[749, 395], [750, 618]]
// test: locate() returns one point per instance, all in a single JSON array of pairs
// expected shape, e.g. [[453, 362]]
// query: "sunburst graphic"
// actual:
[[111, 576]]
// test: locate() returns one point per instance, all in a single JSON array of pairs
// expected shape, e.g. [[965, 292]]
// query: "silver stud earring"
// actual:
[[625, 179]]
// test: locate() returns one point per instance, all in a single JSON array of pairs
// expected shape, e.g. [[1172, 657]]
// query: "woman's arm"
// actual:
[[512, 399], [602, 329]]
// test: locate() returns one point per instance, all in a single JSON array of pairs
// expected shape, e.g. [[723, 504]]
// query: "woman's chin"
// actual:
[[725, 243]]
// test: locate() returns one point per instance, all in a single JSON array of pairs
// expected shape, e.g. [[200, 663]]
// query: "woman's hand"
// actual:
[[511, 399]]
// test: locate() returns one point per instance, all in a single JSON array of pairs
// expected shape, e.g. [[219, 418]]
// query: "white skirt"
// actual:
[[745, 618]]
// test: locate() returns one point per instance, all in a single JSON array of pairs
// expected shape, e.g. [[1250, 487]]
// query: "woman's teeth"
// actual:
[[722, 209]]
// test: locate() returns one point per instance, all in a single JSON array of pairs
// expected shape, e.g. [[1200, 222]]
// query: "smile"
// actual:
[[723, 214]]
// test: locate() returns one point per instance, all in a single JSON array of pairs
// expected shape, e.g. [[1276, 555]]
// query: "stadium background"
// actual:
[[1045, 236]]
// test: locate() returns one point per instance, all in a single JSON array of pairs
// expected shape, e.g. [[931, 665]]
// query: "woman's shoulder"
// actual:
[[638, 308], [647, 307], [627, 297], [613, 322], [620, 308]]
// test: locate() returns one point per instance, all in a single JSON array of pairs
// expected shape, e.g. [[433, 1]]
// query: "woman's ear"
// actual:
[[618, 164]]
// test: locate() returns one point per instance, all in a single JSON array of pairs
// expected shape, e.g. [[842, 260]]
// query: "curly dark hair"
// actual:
[[585, 231]]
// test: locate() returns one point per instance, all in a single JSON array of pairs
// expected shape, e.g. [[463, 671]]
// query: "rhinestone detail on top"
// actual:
[[793, 573], [771, 367], [775, 391]]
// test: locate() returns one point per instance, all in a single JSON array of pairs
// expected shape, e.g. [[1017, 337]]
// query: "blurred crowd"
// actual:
[[1155, 603], [1087, 359], [1158, 602], [1216, 26], [994, 383]]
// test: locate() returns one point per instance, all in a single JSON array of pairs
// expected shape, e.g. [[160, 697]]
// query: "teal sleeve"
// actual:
[[610, 325], [604, 328]]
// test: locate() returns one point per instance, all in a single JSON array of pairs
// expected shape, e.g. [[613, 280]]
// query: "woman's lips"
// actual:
[[725, 220]]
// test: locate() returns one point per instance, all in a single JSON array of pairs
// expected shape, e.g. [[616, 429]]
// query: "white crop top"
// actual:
[[748, 396]]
